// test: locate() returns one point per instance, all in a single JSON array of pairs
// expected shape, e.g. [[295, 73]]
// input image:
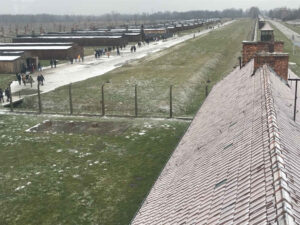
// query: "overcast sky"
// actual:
[[97, 7]]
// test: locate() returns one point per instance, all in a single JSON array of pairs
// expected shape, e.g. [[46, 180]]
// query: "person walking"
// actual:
[[42, 79], [54, 62], [39, 66], [24, 79], [38, 79], [1, 96], [7, 93], [19, 78], [51, 63], [30, 80], [118, 51]]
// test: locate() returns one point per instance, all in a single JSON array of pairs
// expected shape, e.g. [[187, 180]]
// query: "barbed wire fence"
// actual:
[[120, 100]]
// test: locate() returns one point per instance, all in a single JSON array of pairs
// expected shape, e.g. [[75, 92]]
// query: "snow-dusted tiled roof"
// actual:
[[70, 37], [36, 43], [24, 48], [266, 27], [239, 161], [8, 58]]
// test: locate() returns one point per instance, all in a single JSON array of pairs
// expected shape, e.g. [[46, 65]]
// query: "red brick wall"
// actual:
[[278, 63], [251, 48], [278, 46]]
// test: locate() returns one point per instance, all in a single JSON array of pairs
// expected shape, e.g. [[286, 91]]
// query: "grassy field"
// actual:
[[5, 79], [288, 47], [186, 66], [83, 176], [293, 27]]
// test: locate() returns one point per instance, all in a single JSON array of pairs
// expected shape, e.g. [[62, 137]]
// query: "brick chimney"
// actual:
[[279, 62], [250, 48], [267, 51]]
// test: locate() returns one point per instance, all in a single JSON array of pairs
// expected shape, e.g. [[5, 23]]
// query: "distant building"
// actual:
[[11, 64]]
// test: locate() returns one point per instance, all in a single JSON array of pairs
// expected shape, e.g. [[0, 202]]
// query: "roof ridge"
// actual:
[[283, 200]]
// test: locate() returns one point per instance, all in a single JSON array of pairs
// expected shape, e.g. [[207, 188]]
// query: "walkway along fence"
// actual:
[[119, 100]]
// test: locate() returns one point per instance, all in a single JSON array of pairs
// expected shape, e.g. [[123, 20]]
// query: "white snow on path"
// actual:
[[287, 32], [66, 73]]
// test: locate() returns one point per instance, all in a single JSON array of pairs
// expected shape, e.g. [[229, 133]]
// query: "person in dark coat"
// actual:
[[39, 66], [54, 62], [42, 79], [51, 63], [1, 95], [118, 51], [7, 93], [19, 78]]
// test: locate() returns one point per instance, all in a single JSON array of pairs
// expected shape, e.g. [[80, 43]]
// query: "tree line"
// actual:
[[114, 16], [284, 14]]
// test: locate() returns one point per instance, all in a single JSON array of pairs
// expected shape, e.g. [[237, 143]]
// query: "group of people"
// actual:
[[53, 63], [24, 78], [77, 59], [133, 48], [107, 51], [27, 78], [7, 94]]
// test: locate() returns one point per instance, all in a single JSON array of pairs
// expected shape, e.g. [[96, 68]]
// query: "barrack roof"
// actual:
[[266, 27], [28, 48], [7, 58], [69, 37], [36, 43], [239, 161]]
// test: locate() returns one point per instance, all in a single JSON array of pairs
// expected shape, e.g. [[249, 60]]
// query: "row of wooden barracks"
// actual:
[[26, 50]]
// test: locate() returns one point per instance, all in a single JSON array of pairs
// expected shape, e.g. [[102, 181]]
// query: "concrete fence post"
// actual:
[[135, 101], [10, 98], [70, 98], [102, 101], [39, 99]]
